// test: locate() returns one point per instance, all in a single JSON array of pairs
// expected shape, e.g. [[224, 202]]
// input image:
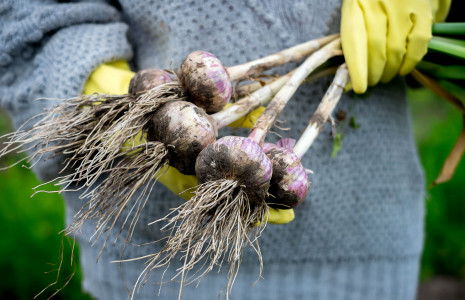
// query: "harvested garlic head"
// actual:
[[236, 158], [206, 80], [186, 130], [147, 79], [289, 184]]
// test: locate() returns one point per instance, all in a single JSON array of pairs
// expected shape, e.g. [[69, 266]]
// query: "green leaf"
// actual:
[[450, 41], [353, 123], [449, 28], [336, 144], [448, 46], [441, 71]]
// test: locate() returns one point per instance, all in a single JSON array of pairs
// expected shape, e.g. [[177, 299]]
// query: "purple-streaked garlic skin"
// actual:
[[147, 79], [268, 146], [206, 81], [236, 158], [286, 143], [186, 130], [289, 184]]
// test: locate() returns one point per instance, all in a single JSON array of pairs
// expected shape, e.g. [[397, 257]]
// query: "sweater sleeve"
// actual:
[[48, 50]]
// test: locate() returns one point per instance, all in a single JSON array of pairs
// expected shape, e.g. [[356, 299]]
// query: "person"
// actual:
[[359, 233]]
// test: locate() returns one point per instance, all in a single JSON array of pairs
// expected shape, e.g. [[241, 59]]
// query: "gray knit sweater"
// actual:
[[359, 233]]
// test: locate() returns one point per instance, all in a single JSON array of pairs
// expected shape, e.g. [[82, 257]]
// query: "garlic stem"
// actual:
[[295, 53], [272, 111], [324, 110], [247, 104], [247, 89]]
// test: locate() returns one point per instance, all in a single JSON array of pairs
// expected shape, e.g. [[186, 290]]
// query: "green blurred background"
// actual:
[[30, 241], [29, 226]]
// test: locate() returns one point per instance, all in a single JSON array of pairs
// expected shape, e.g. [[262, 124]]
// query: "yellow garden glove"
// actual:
[[383, 38], [113, 78], [110, 78], [440, 9]]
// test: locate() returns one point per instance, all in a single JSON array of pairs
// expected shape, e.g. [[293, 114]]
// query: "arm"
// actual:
[[49, 50]]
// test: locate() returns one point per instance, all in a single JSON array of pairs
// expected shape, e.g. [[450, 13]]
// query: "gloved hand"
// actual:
[[113, 78], [383, 38], [440, 9]]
